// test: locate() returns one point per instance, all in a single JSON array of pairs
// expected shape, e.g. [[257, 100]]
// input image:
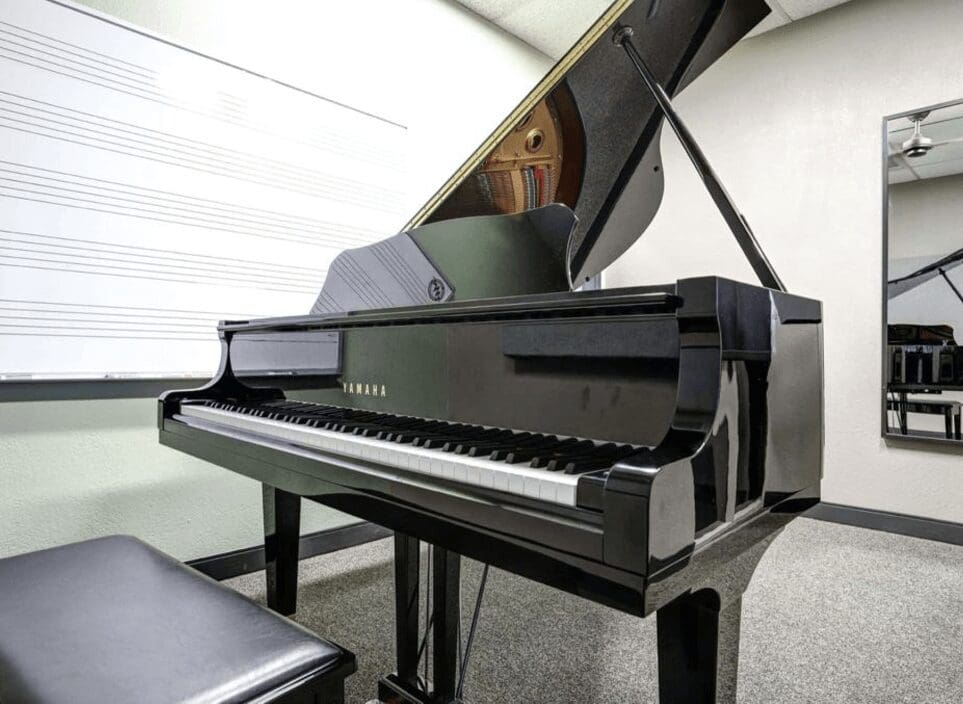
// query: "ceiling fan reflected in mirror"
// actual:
[[918, 144]]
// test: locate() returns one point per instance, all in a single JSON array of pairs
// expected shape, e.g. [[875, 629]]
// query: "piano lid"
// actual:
[[588, 134]]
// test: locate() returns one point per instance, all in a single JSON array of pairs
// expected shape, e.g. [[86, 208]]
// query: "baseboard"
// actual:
[[245, 560], [913, 526]]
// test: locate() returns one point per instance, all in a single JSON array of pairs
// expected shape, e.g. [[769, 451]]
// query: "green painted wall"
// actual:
[[71, 470]]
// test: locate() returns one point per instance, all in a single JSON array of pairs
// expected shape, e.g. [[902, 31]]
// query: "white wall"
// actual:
[[792, 122], [432, 65], [76, 469], [926, 217]]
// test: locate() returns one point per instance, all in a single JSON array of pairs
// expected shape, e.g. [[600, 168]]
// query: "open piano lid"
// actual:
[[588, 135]]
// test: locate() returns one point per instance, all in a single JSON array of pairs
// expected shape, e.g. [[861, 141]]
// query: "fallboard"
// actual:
[[605, 371]]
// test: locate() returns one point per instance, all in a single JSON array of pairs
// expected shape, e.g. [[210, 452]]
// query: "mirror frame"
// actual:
[[884, 332]]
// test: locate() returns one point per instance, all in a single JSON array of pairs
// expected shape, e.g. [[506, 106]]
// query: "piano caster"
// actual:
[[391, 690]]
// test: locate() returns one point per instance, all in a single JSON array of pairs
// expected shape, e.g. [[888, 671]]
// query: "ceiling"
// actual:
[[945, 159], [552, 26], [786, 11]]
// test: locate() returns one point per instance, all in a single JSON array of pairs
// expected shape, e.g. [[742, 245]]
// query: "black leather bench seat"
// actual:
[[113, 620]]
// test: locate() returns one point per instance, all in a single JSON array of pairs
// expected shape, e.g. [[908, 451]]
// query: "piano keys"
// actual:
[[497, 459]]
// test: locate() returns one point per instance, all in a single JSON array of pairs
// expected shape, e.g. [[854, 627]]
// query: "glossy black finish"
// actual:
[[282, 531], [733, 454], [407, 568], [740, 435], [698, 649], [698, 632], [446, 600], [404, 685]]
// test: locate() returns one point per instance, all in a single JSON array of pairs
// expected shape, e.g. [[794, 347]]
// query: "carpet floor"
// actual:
[[833, 614]]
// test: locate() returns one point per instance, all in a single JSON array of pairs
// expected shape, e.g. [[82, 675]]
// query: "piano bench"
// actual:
[[115, 620]]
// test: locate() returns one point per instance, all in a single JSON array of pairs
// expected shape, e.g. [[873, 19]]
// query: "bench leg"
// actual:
[[282, 531], [332, 694]]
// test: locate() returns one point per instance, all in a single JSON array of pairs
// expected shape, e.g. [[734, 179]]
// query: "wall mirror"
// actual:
[[923, 274]]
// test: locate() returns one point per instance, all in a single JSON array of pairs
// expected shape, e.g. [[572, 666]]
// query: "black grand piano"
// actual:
[[638, 447]]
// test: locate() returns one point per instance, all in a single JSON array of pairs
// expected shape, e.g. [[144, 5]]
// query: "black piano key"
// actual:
[[592, 464], [565, 451], [432, 442], [556, 463], [436, 437], [389, 429], [509, 441], [501, 455], [371, 428], [494, 435], [592, 452], [586, 465], [339, 426], [526, 454], [431, 428], [435, 441], [401, 422], [455, 436]]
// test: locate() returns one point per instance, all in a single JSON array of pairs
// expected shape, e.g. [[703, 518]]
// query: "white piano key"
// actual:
[[516, 484]]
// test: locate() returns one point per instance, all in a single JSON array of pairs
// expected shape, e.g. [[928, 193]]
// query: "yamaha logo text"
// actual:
[[365, 389]]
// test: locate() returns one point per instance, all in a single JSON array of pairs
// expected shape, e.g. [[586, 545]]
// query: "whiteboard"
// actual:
[[147, 192]]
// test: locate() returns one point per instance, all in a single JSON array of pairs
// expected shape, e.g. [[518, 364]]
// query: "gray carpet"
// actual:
[[833, 614]]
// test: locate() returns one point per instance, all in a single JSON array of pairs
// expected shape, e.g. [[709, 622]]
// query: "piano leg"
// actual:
[[407, 570], [446, 587], [698, 631], [698, 649], [282, 531]]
